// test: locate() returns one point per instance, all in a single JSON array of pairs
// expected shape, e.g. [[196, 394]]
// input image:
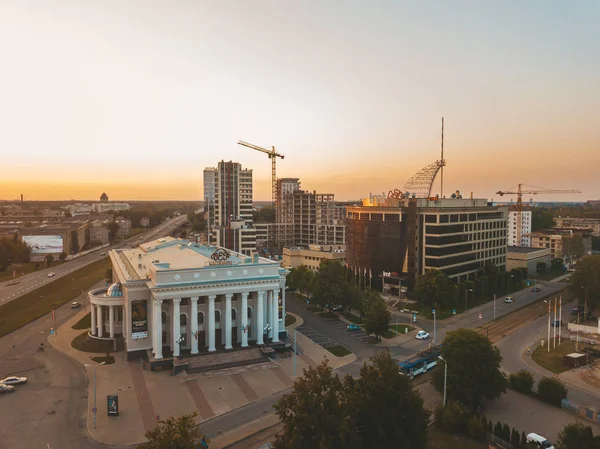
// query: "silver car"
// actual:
[[6, 388], [13, 380]]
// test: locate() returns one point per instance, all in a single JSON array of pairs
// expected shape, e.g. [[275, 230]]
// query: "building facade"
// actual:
[[172, 295], [526, 257], [209, 175], [312, 256], [512, 227], [409, 236], [591, 225]]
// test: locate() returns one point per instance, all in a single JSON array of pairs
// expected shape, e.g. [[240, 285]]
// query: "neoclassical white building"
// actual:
[[171, 296]]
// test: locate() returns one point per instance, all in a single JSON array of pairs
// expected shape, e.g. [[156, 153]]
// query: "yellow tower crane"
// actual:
[[530, 190], [273, 155]]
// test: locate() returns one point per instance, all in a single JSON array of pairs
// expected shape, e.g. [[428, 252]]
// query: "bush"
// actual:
[[453, 418], [476, 428], [522, 381], [551, 390]]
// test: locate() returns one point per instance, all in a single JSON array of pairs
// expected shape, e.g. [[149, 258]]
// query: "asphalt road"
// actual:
[[40, 278], [49, 410]]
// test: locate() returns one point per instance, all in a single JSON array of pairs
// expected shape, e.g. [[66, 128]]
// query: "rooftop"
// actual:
[[523, 249]]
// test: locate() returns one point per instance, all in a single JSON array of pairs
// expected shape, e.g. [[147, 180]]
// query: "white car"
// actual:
[[13, 380], [51, 274], [509, 300], [422, 335], [75, 304], [6, 388]]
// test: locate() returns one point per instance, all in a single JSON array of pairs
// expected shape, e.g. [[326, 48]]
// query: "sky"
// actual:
[[136, 98]]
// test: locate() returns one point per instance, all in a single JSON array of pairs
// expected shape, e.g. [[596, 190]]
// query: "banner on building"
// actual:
[[139, 320]]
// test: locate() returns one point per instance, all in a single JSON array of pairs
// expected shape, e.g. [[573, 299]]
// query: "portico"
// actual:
[[183, 297]]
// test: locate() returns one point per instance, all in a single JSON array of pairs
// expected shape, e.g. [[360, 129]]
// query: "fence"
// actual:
[[587, 341], [295, 346], [499, 442], [582, 411]]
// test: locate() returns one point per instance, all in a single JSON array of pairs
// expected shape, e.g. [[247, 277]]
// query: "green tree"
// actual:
[[551, 390], [49, 259], [173, 433], [386, 410], [108, 274], [522, 381], [473, 368], [315, 414], [541, 218], [585, 281], [264, 215], [377, 317], [197, 222], [292, 280], [453, 417], [113, 230], [573, 246], [62, 256], [434, 288], [330, 283], [306, 282], [515, 438], [577, 436]]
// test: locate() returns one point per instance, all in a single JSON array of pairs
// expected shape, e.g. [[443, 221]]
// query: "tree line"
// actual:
[[329, 288], [13, 250]]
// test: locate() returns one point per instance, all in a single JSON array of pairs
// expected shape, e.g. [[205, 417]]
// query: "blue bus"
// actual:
[[421, 363]]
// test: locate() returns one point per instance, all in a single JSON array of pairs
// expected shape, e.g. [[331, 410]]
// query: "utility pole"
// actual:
[[554, 337], [549, 318], [560, 319]]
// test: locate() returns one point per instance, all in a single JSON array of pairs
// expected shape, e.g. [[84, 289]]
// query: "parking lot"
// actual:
[[327, 341]]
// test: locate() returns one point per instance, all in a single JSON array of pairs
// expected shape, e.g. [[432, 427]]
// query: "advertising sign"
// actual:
[[113, 405], [139, 320], [44, 244]]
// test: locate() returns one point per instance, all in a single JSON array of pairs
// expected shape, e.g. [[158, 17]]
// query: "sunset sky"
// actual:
[[136, 98]]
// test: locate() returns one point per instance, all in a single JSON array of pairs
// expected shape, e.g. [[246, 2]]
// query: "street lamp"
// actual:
[[267, 330], [178, 341], [95, 409], [433, 311], [466, 296], [445, 377]]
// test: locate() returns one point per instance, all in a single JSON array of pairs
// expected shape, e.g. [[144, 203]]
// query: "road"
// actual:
[[49, 410], [10, 290]]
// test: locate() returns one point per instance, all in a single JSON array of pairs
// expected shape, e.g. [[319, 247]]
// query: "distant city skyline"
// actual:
[[136, 98]]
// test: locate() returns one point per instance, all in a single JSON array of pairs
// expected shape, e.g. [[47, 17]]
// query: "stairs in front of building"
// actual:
[[224, 360]]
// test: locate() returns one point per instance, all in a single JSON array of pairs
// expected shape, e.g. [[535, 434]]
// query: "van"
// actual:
[[539, 441]]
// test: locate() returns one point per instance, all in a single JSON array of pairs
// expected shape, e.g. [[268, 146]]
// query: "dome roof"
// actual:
[[115, 290]]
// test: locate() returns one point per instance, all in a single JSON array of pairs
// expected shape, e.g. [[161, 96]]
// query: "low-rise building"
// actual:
[[312, 256], [124, 227], [563, 242], [591, 225], [145, 222], [527, 257]]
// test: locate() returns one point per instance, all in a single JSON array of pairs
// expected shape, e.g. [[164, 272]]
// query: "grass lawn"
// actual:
[[83, 323], [401, 328], [352, 318], [289, 320], [38, 303], [436, 439], [553, 360], [389, 334], [338, 351], [25, 268], [83, 342], [107, 360]]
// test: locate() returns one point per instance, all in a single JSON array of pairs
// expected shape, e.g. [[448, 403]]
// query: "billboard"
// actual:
[[44, 244], [139, 320]]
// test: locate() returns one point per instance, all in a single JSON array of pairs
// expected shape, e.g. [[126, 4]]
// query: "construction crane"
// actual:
[[273, 155], [530, 190]]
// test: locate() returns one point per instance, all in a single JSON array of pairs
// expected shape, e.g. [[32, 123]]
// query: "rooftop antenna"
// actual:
[[442, 163]]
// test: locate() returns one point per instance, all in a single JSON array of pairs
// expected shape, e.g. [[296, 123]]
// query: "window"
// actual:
[[249, 313], [217, 316], [164, 317], [200, 318], [233, 314], [183, 320]]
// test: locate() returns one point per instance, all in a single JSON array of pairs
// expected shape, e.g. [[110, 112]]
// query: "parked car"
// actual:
[[103, 254], [6, 388], [557, 323], [75, 304], [13, 380], [509, 300], [536, 289], [51, 274], [422, 335], [353, 327]]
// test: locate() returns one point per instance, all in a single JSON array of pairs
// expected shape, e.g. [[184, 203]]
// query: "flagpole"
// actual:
[[554, 333], [560, 319]]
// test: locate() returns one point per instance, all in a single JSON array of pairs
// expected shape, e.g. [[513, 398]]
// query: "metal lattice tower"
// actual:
[[420, 183]]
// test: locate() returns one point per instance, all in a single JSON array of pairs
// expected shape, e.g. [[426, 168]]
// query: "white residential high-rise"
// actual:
[[511, 239], [209, 196]]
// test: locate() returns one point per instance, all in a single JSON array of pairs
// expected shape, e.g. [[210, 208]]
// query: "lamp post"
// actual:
[[295, 350], [267, 329], [445, 377], [466, 296], [178, 341], [433, 311], [95, 409]]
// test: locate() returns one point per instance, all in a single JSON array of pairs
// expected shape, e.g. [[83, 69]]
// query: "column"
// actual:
[[100, 321], [275, 316], [211, 323], [243, 316], [93, 320], [270, 313], [111, 321], [157, 331], [283, 305], [260, 325], [228, 297], [175, 329], [194, 323]]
